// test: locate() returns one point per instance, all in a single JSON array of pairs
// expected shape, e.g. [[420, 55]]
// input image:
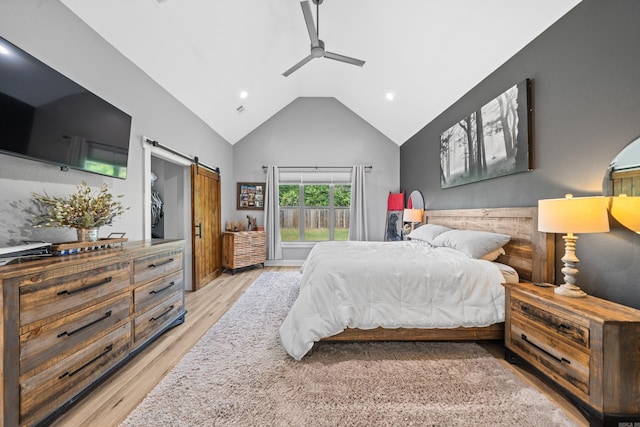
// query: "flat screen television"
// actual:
[[47, 117]]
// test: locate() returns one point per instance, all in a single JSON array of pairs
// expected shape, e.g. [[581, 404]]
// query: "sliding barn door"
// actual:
[[206, 232]]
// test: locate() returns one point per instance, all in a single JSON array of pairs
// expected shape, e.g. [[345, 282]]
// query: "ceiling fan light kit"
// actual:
[[317, 45]]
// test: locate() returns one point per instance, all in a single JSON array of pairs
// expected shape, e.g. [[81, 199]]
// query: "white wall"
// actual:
[[309, 131], [53, 34], [320, 132]]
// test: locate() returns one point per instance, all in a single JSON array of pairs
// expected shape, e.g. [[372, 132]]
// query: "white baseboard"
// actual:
[[284, 263]]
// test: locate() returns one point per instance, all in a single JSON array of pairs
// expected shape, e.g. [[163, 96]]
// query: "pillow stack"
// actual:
[[475, 244]]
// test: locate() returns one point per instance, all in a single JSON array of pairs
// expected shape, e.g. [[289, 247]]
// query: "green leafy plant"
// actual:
[[83, 209]]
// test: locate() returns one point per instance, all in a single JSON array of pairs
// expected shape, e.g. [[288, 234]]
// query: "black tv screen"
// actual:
[[47, 117]]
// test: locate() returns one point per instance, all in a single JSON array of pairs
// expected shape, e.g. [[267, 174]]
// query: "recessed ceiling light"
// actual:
[[390, 96], [243, 94]]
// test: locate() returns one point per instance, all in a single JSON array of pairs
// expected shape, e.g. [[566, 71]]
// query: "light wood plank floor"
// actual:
[[112, 401]]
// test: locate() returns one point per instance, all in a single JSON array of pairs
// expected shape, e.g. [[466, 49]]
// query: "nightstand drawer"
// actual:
[[552, 322], [559, 359]]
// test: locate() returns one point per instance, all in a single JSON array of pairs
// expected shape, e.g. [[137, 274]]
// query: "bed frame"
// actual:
[[530, 252]]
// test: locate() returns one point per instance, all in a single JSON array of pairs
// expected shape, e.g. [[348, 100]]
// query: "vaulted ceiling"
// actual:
[[427, 53]]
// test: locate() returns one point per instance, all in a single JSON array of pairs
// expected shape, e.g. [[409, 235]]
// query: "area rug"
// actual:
[[238, 374]]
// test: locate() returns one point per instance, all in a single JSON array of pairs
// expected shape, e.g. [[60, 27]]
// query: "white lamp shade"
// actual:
[[573, 215], [412, 215], [626, 210]]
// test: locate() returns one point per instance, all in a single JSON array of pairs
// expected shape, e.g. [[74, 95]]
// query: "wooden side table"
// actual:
[[242, 249], [588, 346]]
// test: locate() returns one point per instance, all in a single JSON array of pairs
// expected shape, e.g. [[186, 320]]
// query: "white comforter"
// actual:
[[390, 284]]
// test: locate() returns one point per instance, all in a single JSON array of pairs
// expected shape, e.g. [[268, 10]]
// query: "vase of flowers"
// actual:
[[85, 210], [87, 234]]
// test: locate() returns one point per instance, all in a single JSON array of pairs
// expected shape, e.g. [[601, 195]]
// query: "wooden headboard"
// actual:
[[529, 251]]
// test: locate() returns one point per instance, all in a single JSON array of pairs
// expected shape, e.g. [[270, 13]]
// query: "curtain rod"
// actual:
[[264, 168], [193, 159]]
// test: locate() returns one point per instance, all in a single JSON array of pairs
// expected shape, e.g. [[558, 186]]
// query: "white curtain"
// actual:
[[272, 214], [358, 211]]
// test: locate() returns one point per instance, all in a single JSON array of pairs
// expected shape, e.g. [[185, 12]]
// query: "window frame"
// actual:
[[301, 242]]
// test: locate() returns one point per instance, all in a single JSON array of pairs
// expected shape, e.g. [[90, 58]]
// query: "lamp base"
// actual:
[[570, 291]]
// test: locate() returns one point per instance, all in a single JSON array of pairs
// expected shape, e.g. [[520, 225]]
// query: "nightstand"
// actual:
[[589, 347], [243, 249]]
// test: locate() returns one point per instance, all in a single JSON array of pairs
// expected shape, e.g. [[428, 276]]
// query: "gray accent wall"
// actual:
[[52, 33], [320, 132], [586, 108]]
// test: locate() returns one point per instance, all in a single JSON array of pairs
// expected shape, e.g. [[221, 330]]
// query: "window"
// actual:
[[314, 212]]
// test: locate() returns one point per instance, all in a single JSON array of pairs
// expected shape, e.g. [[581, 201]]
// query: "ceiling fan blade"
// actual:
[[308, 18], [298, 65], [343, 58]]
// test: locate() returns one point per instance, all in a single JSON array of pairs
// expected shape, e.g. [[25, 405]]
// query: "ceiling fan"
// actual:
[[317, 45]]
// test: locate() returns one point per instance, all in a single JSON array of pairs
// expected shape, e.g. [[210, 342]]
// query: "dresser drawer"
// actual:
[[42, 393], [147, 324], [56, 293], [558, 358], [69, 333], [153, 293], [157, 265], [555, 323]]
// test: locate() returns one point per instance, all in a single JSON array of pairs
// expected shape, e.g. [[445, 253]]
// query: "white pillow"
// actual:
[[427, 232], [475, 244]]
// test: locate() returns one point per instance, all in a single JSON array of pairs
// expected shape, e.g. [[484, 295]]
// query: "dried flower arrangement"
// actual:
[[83, 209]]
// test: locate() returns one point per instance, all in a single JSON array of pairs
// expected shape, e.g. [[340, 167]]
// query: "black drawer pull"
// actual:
[[85, 288], [163, 289], [563, 326], [559, 359], [170, 260], [72, 373], [106, 315], [164, 313]]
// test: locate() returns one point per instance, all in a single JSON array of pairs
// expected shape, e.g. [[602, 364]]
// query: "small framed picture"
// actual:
[[250, 195]]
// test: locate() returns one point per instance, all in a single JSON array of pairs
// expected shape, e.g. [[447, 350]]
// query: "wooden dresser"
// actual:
[[69, 321], [243, 249], [588, 346]]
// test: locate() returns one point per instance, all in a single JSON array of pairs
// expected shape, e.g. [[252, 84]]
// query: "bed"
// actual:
[[351, 295]]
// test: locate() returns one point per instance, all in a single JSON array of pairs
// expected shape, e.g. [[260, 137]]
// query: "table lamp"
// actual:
[[572, 215], [626, 210], [413, 216]]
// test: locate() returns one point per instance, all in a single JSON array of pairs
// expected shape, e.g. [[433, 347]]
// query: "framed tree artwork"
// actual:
[[492, 141], [250, 196]]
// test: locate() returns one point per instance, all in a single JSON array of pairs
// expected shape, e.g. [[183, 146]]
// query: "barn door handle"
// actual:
[[199, 227]]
